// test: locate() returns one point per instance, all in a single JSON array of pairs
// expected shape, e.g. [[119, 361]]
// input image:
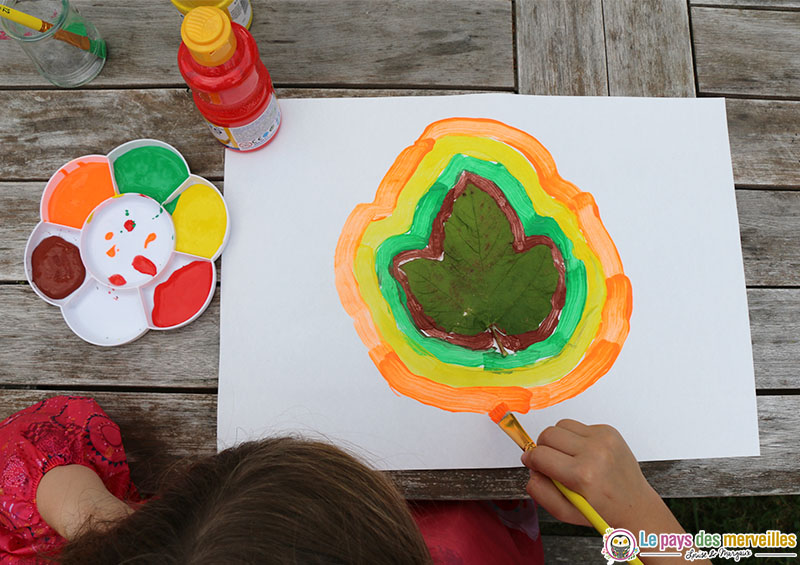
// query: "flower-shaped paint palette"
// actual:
[[127, 242]]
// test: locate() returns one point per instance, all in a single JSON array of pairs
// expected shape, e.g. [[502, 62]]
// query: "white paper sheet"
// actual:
[[660, 172]]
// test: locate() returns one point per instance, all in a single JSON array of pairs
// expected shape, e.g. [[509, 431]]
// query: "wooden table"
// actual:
[[164, 385]]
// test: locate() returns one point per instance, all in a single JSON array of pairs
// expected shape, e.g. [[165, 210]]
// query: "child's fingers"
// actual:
[[562, 439], [575, 427], [546, 495], [551, 462]]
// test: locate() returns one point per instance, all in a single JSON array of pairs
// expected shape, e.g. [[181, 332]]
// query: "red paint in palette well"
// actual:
[[117, 280], [182, 295]]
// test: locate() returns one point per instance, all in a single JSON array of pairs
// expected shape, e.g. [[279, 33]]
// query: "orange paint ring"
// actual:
[[615, 317]]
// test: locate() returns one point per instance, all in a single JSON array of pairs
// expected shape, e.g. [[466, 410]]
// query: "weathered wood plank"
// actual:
[[181, 425], [19, 214], [573, 549], [776, 471], [765, 142], [747, 52], [401, 43], [39, 349], [648, 48], [43, 129], [765, 134], [774, 327], [769, 222], [561, 48], [312, 42]]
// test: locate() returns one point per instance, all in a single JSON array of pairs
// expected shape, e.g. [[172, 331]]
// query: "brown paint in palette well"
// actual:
[[57, 267]]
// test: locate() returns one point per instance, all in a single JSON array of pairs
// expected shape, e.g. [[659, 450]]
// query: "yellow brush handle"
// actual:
[[79, 41], [584, 507], [590, 513], [24, 19]]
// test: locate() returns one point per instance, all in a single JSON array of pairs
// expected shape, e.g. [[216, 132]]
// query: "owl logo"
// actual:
[[619, 546]]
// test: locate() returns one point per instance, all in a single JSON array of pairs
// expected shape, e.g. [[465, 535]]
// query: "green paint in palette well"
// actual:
[[151, 170], [417, 238]]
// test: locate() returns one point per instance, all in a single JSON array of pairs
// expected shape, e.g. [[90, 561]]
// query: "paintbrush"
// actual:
[[96, 46], [503, 417]]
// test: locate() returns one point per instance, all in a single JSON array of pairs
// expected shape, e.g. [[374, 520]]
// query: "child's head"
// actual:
[[276, 501]]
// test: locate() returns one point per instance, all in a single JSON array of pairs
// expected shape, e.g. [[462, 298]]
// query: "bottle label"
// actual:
[[252, 135], [240, 12]]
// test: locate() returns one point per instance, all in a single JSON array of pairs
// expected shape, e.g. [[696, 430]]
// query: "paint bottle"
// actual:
[[239, 11], [230, 85]]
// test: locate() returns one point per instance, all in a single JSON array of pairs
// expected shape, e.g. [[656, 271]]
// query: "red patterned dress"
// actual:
[[64, 430], [468, 532]]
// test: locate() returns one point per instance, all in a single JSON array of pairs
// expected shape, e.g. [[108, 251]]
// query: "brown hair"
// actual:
[[281, 501]]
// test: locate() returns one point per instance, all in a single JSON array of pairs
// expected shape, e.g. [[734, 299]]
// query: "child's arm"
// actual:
[[70, 496], [596, 462]]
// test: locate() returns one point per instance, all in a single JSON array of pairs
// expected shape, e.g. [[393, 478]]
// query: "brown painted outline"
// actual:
[[435, 249]]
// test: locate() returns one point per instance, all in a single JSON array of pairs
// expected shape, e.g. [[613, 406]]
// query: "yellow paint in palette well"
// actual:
[[200, 221]]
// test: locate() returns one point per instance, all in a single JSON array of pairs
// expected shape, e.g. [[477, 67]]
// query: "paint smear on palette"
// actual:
[[129, 224], [150, 170], [200, 221], [149, 239], [81, 189], [144, 265], [117, 280], [57, 267], [182, 295]]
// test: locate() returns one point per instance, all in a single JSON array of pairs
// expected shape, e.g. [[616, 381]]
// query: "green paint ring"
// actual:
[[417, 238]]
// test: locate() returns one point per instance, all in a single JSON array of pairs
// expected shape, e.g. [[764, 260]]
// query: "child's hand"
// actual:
[[594, 461]]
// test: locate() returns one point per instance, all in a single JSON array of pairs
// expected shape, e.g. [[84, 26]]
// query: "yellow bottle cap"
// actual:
[[207, 33]]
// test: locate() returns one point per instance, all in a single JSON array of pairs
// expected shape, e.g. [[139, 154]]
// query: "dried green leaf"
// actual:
[[481, 283]]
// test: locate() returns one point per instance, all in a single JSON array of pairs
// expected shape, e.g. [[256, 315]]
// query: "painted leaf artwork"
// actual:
[[480, 276]]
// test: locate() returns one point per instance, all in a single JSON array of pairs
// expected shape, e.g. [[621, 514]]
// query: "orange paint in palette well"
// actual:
[[79, 187]]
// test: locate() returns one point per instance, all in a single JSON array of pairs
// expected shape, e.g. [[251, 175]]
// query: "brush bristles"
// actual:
[[498, 412]]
